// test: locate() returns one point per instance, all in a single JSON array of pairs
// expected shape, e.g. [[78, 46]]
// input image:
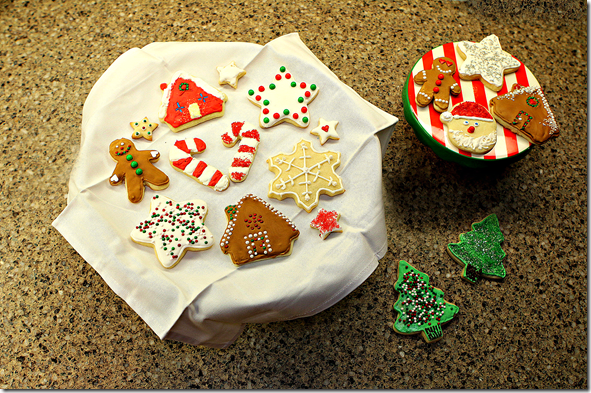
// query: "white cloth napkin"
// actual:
[[205, 299]]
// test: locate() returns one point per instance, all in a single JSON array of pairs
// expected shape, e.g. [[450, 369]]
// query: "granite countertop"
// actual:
[[63, 327]]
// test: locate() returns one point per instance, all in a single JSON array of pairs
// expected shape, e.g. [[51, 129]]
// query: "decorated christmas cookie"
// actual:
[[420, 306], [283, 99], [143, 129], [479, 250], [249, 139], [230, 74], [136, 168], [438, 83], [188, 101], [305, 174], [181, 159], [326, 222], [256, 231], [174, 228], [525, 111], [326, 130], [485, 60], [470, 127]]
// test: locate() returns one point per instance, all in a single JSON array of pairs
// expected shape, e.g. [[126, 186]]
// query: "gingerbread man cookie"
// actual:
[[438, 83], [143, 129], [136, 168]]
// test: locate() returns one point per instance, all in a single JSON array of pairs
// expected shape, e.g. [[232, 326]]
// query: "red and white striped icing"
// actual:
[[249, 139], [508, 143], [180, 157]]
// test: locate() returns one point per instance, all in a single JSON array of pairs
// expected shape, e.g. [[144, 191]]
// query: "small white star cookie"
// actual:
[[230, 74], [326, 222], [326, 130], [143, 129]]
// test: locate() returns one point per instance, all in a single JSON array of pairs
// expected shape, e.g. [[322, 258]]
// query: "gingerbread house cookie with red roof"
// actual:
[[188, 101]]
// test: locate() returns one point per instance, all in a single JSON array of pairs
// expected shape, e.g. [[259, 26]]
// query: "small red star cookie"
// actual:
[[326, 130], [143, 129], [326, 222]]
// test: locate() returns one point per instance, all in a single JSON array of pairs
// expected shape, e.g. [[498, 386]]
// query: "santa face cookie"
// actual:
[[470, 127], [136, 168], [256, 231], [283, 99], [188, 101], [174, 228], [526, 112]]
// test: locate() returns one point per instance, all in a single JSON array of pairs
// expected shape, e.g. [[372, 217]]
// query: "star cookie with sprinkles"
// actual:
[[326, 130], [230, 74], [326, 222], [256, 231], [420, 306], [283, 99], [485, 60], [143, 129], [305, 174], [174, 228]]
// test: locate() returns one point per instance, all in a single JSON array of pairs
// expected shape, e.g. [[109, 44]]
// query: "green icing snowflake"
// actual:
[[480, 250]]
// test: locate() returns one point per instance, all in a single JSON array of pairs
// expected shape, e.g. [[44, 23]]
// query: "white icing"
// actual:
[[154, 153], [284, 96], [114, 179], [230, 74], [165, 226], [194, 111], [487, 59], [484, 142]]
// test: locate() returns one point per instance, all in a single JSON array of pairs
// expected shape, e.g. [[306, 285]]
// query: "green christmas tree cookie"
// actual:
[[420, 306], [480, 250]]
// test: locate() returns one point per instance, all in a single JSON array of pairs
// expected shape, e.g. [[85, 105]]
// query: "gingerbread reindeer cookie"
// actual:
[[136, 168], [438, 83]]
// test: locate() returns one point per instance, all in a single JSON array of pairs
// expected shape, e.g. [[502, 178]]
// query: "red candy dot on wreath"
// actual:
[[163, 86], [261, 88], [304, 109], [276, 115], [303, 85], [288, 76], [278, 77], [295, 116]]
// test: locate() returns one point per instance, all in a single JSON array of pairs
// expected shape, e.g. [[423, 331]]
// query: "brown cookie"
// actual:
[[136, 168], [525, 111], [438, 83]]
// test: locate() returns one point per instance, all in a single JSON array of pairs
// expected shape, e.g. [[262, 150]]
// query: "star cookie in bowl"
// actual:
[[485, 60], [305, 174], [470, 127]]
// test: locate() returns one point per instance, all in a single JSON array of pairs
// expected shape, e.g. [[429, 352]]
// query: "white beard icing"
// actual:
[[484, 142]]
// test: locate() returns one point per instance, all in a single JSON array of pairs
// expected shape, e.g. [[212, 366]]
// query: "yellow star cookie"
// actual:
[[305, 174], [143, 128], [326, 130], [230, 74]]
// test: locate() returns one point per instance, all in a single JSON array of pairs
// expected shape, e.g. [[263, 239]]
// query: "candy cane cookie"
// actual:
[[249, 139], [180, 157]]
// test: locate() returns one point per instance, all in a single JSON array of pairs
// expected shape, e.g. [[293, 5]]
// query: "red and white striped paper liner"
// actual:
[[508, 143]]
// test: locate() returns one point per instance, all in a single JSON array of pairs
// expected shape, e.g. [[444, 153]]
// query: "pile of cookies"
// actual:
[[255, 230]]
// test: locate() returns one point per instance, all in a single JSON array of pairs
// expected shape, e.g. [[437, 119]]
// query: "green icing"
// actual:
[[480, 250], [420, 306]]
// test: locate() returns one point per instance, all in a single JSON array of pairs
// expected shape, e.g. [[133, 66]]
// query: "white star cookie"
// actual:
[[485, 60], [326, 130], [230, 74], [174, 228]]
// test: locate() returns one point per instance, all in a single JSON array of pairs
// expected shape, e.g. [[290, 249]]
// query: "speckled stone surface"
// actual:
[[63, 327]]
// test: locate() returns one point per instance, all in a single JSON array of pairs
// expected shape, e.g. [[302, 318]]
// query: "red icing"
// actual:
[[251, 134], [216, 176], [199, 170], [240, 162], [182, 163], [326, 221], [182, 145], [246, 149], [325, 128], [236, 127], [177, 112], [471, 129], [238, 176], [471, 109], [163, 86], [227, 139]]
